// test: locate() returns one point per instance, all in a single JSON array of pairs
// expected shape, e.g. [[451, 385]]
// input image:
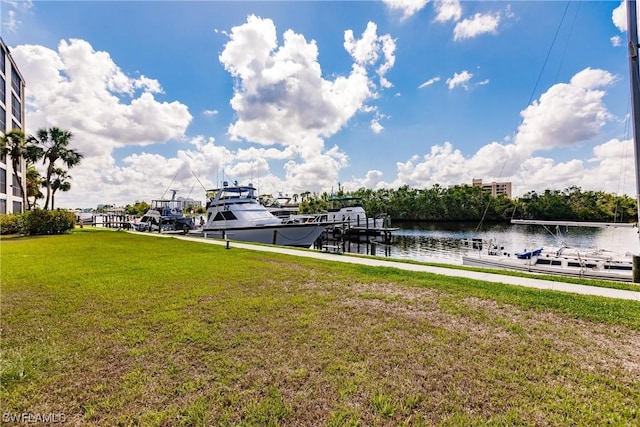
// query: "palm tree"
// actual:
[[14, 145], [55, 145], [34, 182], [59, 181]]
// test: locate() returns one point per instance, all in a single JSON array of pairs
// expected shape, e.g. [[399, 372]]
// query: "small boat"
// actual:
[[349, 211], [348, 219], [563, 261], [233, 212], [164, 215]]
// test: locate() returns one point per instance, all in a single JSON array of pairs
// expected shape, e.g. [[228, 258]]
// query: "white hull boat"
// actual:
[[563, 261], [234, 213]]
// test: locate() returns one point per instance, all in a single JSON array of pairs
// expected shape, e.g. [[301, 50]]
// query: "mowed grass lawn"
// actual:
[[111, 328]]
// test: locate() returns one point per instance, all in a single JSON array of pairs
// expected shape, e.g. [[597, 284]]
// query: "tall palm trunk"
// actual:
[[48, 182]]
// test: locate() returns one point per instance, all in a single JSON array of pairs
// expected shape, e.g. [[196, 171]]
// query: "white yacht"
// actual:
[[233, 212]]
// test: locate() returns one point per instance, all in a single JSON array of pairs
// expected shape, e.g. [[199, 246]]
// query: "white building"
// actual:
[[495, 187], [11, 117]]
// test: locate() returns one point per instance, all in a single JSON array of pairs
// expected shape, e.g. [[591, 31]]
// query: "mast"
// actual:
[[634, 77]]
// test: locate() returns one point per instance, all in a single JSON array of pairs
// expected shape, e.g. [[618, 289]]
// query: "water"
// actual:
[[443, 243]]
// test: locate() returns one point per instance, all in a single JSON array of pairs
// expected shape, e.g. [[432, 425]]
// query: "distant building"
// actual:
[[495, 187], [11, 117], [185, 203]]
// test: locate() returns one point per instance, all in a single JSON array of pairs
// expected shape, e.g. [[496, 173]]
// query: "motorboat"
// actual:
[[233, 212], [563, 261], [348, 211], [164, 215]]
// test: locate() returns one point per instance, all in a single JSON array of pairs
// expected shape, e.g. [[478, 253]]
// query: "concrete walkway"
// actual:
[[376, 262]]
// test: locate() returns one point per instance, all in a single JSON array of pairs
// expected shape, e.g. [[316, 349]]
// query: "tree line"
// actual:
[[473, 204], [52, 147]]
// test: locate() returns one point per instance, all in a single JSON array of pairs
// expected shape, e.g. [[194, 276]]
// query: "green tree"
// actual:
[[14, 145], [54, 143], [59, 181], [33, 185]]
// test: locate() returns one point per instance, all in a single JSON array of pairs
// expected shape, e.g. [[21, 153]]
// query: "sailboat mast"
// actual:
[[634, 76]]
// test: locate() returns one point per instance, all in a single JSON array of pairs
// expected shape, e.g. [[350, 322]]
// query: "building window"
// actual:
[[3, 119], [16, 108], [2, 60], [17, 191], [3, 181], [16, 125], [3, 206], [16, 82], [3, 93], [17, 207]]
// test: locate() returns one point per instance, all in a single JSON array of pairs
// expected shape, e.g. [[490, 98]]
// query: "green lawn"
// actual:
[[111, 328]]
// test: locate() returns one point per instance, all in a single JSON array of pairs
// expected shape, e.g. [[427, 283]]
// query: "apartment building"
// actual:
[[11, 117], [495, 187]]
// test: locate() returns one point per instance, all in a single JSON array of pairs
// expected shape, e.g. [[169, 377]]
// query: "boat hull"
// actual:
[[299, 235], [530, 266]]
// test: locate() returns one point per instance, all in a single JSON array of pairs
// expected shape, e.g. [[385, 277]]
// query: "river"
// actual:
[[443, 243]]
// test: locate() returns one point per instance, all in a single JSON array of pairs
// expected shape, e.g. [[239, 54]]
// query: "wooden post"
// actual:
[[636, 269], [275, 236]]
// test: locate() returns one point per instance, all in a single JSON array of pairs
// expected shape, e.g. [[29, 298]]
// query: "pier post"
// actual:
[[275, 236], [636, 269]]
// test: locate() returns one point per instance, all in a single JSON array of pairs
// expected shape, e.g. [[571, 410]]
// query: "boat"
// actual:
[[566, 261], [349, 211], [164, 215], [348, 218], [563, 261], [233, 212]]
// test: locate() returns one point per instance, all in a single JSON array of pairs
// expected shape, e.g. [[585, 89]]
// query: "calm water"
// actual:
[[443, 242]]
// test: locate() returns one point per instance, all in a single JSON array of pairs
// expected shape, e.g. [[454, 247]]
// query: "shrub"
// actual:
[[38, 222], [11, 224]]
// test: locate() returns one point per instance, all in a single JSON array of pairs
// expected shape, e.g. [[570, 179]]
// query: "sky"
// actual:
[[321, 95]]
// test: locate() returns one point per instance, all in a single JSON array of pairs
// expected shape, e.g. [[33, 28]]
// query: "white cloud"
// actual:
[[210, 112], [567, 114], [84, 91], [447, 10], [372, 179], [429, 82], [281, 97], [375, 125], [459, 79], [619, 16], [80, 89], [407, 7], [616, 41], [9, 20], [477, 25]]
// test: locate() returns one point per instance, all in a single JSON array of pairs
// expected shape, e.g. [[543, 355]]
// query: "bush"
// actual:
[[11, 224], [38, 222]]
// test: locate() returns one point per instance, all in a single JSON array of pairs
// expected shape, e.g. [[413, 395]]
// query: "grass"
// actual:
[[111, 328]]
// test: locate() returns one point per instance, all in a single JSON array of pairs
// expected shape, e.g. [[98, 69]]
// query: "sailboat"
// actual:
[[566, 261]]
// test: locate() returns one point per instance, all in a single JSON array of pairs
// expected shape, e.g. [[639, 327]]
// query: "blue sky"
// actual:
[[303, 96]]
